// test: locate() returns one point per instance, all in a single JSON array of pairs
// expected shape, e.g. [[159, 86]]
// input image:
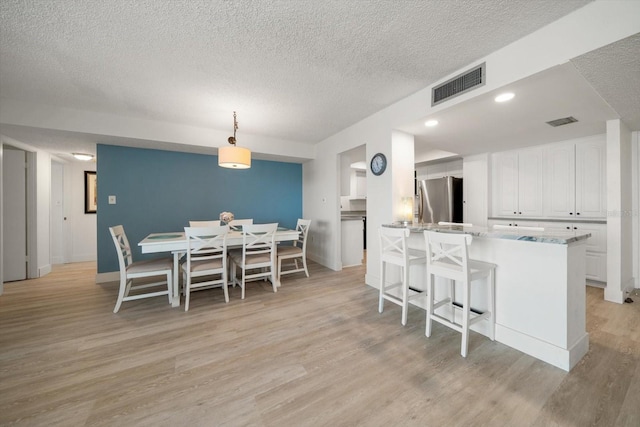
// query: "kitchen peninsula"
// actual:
[[540, 288]]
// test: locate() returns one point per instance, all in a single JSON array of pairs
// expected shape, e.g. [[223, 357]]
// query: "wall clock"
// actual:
[[378, 164]]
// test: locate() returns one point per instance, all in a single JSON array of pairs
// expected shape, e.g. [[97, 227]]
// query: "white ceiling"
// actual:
[[297, 70]]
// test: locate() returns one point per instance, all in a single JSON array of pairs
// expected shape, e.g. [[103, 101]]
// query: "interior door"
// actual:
[[14, 181]]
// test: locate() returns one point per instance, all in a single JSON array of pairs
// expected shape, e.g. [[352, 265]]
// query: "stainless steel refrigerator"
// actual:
[[439, 200]]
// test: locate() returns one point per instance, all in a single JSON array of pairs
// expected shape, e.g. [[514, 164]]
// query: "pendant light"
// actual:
[[234, 157]]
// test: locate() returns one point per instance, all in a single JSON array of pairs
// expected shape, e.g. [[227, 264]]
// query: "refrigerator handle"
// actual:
[[419, 201]]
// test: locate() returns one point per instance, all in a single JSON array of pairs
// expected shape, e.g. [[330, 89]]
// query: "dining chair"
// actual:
[[394, 250], [257, 258], [130, 270], [448, 257], [297, 252], [239, 222], [212, 223], [206, 258]]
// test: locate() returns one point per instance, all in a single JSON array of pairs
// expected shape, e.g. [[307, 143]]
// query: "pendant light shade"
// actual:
[[234, 157]]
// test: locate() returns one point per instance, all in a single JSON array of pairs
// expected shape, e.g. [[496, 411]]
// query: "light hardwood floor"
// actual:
[[315, 353]]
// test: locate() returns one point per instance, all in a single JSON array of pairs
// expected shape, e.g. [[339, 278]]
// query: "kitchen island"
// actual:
[[540, 283]]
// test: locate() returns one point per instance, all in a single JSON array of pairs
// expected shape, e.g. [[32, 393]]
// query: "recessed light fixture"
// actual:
[[504, 97], [431, 123], [82, 156]]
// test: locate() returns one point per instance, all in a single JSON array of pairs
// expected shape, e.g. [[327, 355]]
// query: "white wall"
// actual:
[[533, 53], [43, 216], [81, 229]]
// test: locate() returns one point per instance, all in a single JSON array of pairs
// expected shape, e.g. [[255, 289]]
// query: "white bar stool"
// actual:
[[394, 250], [447, 257]]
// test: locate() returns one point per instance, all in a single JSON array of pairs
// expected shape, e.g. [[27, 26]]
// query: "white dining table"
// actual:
[[176, 244]]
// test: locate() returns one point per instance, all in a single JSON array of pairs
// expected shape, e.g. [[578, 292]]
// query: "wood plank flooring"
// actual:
[[315, 353]]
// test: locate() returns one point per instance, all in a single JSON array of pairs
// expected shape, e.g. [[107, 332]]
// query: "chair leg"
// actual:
[[187, 293], [243, 282], [492, 304], [430, 296], [170, 286], [466, 309], [452, 296], [381, 298], [405, 294], [279, 268], [274, 279], [304, 264], [225, 285], [124, 285]]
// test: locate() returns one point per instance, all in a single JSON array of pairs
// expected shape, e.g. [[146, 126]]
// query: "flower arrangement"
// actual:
[[226, 217]]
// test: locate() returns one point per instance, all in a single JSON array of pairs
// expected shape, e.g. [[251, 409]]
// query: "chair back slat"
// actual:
[[393, 243], [123, 249], [258, 239], [447, 254], [303, 228], [206, 243]]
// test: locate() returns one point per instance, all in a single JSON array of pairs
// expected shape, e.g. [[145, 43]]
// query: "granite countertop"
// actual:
[[551, 236]]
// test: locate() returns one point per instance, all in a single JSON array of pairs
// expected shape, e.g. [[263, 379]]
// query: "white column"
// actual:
[[619, 214]]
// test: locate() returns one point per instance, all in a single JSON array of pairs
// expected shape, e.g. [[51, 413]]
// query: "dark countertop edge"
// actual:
[[520, 235]]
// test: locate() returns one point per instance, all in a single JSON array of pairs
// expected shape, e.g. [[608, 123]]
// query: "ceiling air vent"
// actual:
[[562, 122], [458, 85]]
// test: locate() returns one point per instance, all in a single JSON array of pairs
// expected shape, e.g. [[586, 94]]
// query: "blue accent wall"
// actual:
[[160, 191]]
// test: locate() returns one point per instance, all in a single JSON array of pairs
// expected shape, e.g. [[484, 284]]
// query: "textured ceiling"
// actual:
[[298, 70], [614, 72]]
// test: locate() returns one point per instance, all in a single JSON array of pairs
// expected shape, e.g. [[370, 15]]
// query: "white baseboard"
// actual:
[[44, 270], [83, 257], [112, 276]]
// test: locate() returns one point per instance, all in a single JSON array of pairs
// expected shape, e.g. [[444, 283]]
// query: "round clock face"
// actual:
[[378, 164]]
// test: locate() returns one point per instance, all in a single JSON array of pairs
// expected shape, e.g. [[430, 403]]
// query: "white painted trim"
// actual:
[[556, 356], [112, 276], [44, 270]]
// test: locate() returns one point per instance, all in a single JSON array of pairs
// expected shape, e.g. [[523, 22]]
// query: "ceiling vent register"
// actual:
[[458, 85], [563, 121]]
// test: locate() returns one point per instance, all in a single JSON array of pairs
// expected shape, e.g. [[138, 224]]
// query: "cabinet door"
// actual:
[[591, 180], [530, 170], [559, 181], [505, 184]]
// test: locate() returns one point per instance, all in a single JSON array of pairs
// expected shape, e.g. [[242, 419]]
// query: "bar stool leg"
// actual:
[[382, 289], [466, 309], [452, 296], [405, 294], [492, 303], [430, 297]]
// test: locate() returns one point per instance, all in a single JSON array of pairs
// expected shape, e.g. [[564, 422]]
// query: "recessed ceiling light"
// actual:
[[83, 156], [504, 97], [431, 123]]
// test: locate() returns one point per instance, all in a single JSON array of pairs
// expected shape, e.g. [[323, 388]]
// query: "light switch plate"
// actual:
[[112, 200]]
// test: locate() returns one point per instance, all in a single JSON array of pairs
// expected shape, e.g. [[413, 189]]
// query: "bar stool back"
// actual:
[[394, 250], [447, 257]]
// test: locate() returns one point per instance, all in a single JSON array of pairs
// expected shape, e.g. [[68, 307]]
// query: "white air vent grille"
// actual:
[[563, 121], [458, 85]]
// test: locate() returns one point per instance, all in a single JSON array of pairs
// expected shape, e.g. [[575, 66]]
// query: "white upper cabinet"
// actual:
[[517, 183], [591, 180], [574, 180]]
